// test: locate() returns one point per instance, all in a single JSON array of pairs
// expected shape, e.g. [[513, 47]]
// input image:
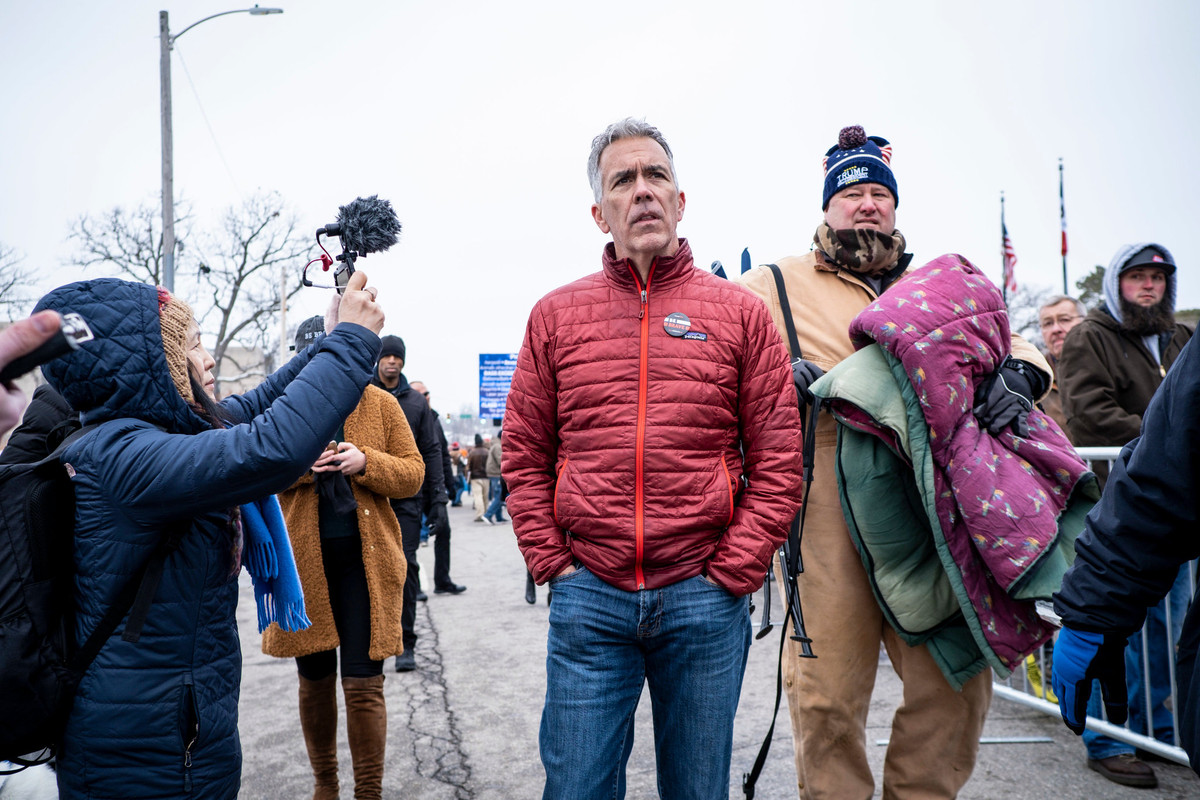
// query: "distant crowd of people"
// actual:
[[652, 462]]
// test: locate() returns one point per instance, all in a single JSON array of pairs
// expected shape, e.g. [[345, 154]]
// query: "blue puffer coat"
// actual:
[[140, 703]]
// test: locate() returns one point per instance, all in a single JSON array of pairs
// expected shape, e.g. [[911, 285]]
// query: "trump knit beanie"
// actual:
[[858, 158], [391, 346], [175, 317]]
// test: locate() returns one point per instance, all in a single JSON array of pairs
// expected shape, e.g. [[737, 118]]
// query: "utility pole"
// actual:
[[168, 177], [165, 42], [283, 347]]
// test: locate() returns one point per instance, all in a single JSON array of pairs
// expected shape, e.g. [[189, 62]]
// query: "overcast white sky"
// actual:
[[475, 118]]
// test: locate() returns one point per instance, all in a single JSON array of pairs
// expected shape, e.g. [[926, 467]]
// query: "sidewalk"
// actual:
[[464, 726]]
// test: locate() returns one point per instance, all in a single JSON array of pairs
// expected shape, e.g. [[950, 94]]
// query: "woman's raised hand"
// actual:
[[358, 304]]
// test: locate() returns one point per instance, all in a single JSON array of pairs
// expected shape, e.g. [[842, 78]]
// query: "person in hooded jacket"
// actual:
[[157, 718], [1114, 360]]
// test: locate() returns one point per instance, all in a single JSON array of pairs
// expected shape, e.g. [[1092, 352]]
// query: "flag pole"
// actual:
[[1008, 255], [1003, 253], [1062, 216]]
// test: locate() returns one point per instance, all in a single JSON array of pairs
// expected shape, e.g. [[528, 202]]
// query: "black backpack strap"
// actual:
[[150, 576], [809, 453], [70, 431], [794, 564], [793, 341], [750, 778], [134, 598]]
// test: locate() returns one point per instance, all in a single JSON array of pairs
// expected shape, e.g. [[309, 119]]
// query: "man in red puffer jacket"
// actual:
[[652, 453]]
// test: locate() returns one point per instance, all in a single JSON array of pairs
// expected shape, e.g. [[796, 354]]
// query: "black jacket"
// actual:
[[35, 438], [1145, 526], [430, 441], [447, 465]]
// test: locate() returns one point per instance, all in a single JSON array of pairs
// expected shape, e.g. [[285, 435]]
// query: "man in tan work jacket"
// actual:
[[858, 253]]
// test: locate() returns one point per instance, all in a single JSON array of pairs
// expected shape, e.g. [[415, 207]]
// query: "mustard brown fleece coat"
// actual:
[[394, 469]]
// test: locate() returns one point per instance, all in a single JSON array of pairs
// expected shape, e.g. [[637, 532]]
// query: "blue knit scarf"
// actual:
[[269, 560]]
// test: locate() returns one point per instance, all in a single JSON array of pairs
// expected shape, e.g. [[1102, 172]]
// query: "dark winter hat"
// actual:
[[1139, 254], [858, 158], [309, 331], [1151, 255], [392, 346]]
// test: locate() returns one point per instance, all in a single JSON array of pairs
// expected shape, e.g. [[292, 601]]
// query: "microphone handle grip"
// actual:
[[58, 345], [341, 276]]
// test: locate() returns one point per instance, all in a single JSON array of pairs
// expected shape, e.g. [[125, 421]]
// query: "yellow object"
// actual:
[[1035, 679]]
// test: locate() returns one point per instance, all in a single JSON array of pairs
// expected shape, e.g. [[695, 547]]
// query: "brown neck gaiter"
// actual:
[[863, 251]]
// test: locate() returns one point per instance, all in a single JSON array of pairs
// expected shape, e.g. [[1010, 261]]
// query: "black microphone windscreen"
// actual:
[[368, 225]]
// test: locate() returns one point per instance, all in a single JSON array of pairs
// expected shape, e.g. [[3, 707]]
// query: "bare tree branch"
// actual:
[[256, 257], [1023, 307], [18, 285], [233, 279], [129, 243]]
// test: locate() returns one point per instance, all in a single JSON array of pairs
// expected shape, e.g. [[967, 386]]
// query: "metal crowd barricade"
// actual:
[[1019, 687]]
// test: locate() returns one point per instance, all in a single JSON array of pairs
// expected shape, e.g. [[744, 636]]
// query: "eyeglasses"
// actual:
[[425, 393], [1061, 322]]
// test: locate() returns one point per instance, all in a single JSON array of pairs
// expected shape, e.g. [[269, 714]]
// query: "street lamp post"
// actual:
[[166, 42]]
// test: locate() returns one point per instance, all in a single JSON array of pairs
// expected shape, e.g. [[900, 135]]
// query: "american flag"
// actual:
[[1010, 255], [1062, 209]]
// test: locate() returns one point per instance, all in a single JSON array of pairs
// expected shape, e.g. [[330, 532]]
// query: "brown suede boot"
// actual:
[[366, 726], [318, 720]]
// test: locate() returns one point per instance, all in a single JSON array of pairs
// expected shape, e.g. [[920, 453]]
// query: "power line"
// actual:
[[212, 134]]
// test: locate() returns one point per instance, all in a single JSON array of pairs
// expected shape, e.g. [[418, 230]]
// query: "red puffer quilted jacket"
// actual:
[[652, 432]]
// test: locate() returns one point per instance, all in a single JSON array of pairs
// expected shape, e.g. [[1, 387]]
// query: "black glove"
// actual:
[[805, 373], [1005, 399], [439, 521]]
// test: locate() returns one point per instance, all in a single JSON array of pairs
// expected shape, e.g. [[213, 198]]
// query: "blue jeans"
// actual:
[[689, 641], [1160, 654], [497, 491]]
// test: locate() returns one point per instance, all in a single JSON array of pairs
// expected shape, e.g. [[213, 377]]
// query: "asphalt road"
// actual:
[[464, 725]]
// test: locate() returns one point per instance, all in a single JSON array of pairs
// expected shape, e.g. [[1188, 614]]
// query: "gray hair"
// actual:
[[1054, 300], [628, 128]]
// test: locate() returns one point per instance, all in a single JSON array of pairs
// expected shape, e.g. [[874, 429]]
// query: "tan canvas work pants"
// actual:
[[935, 732]]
